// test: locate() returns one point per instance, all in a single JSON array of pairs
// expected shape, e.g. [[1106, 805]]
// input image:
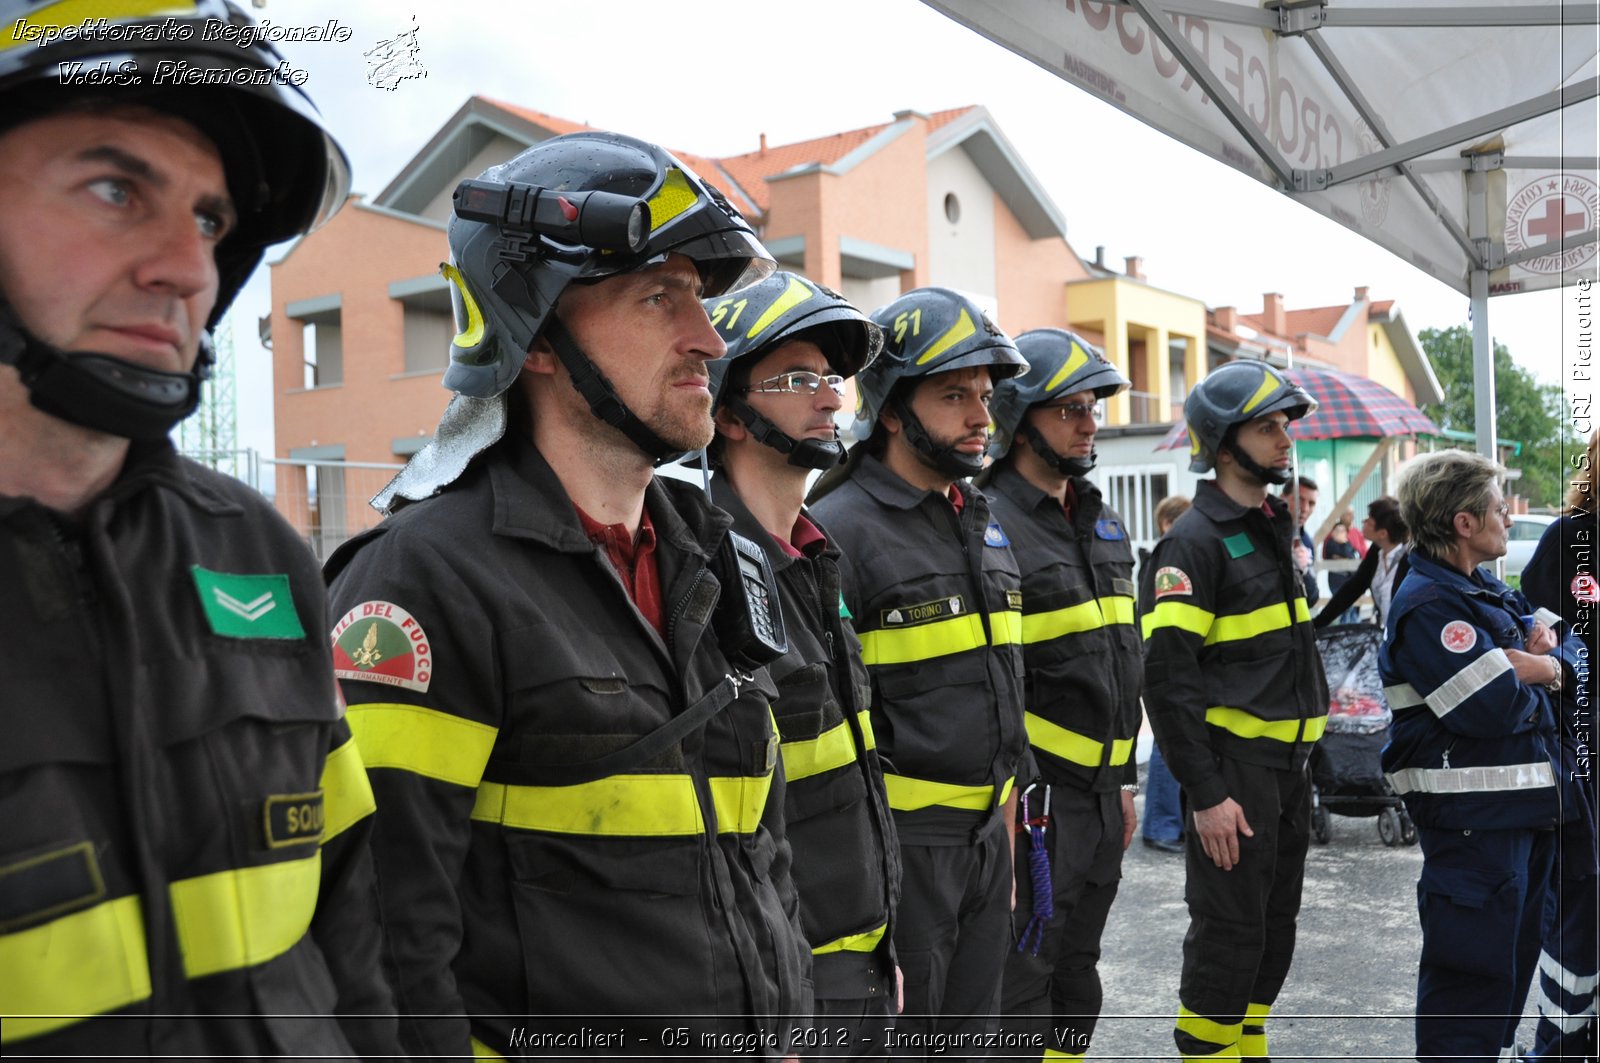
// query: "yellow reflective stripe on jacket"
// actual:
[[866, 942], [95, 961], [639, 806], [243, 917], [938, 639], [86, 963], [1248, 725], [908, 795], [739, 801], [346, 793], [1085, 616], [864, 717], [1274, 617], [483, 1051], [1070, 745], [424, 741], [1181, 615], [833, 748]]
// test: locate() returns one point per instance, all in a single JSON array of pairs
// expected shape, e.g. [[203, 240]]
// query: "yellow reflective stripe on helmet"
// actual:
[[1070, 745], [1072, 619], [792, 296], [833, 748], [1181, 615], [1230, 627], [1076, 361], [739, 801], [675, 196], [483, 1051], [866, 942], [246, 916], [1269, 384], [424, 741], [938, 639], [82, 964], [1248, 725], [64, 13], [1204, 1029], [346, 792], [908, 795], [957, 332], [472, 335]]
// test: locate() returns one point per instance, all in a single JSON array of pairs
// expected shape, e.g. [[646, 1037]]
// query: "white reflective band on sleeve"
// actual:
[[1467, 682], [1576, 984], [1472, 780], [1403, 696]]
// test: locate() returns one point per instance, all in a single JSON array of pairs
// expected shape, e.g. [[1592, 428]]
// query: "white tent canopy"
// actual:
[[1461, 136]]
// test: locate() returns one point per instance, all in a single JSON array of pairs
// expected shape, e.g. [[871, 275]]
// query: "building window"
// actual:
[[322, 340], [952, 208], [429, 323]]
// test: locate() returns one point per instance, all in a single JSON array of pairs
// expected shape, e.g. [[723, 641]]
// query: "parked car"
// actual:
[[1526, 531]]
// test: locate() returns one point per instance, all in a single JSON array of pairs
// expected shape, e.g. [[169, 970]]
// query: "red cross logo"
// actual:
[[1555, 222], [1458, 636], [1585, 588]]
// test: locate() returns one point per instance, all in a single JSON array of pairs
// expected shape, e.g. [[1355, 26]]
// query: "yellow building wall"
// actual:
[[1127, 312], [1383, 364]]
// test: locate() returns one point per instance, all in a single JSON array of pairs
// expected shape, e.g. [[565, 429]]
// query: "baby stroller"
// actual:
[[1346, 772]]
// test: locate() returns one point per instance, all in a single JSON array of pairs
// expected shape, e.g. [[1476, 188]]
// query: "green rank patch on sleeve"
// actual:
[[1239, 545], [239, 606]]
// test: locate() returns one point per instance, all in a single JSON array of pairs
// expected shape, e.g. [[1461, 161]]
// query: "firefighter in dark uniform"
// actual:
[[551, 671], [1083, 665], [936, 598], [1235, 694], [792, 345], [184, 817], [1473, 753]]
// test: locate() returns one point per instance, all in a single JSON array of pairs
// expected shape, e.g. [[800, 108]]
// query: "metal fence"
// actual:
[[325, 501]]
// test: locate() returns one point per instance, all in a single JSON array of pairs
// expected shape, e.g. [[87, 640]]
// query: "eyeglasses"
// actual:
[[1503, 510], [798, 382], [1069, 411]]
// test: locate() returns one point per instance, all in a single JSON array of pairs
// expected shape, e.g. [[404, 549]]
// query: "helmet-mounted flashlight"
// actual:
[[604, 221]]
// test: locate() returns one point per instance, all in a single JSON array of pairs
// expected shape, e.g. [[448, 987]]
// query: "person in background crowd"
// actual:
[[1337, 547], [1083, 667], [774, 398], [552, 656], [1561, 577], [1473, 754], [183, 815], [1358, 538], [1380, 570], [937, 599], [1301, 494], [1162, 828], [1237, 698]]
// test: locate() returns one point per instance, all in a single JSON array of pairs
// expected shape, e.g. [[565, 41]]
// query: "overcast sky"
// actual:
[[709, 76]]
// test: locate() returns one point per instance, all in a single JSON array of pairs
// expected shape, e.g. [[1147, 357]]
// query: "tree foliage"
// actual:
[[1527, 411]]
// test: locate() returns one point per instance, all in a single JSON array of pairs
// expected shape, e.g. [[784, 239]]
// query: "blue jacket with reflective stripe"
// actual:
[[1458, 705]]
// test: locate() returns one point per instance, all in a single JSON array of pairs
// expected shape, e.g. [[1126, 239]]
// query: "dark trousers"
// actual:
[[1056, 993], [1240, 943], [850, 1029], [951, 931], [1481, 902], [1569, 961]]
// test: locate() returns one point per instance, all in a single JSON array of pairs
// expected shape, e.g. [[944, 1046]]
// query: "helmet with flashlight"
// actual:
[[1060, 363], [285, 174], [930, 331], [758, 320], [569, 210], [1230, 395]]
